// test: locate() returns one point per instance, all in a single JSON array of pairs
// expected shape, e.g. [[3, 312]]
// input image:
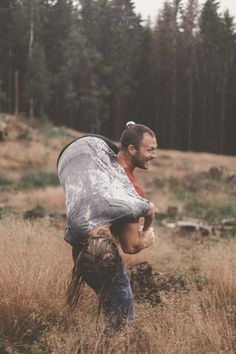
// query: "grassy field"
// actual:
[[197, 318]]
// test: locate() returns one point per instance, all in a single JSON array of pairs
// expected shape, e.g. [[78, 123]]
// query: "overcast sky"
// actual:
[[152, 7]]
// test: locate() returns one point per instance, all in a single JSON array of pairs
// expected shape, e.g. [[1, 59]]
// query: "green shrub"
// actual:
[[37, 212], [4, 213], [229, 233], [197, 183], [210, 210], [4, 181], [24, 136], [38, 179], [54, 132], [40, 211]]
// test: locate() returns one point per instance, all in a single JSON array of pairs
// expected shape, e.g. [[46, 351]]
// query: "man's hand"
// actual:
[[148, 237]]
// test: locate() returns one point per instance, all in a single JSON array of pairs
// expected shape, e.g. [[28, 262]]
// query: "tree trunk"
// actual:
[[190, 98], [31, 43], [223, 108], [174, 78], [9, 98], [16, 93], [173, 97]]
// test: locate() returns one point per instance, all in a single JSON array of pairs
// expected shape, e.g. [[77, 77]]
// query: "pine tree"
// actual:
[[37, 83], [84, 101], [57, 18], [166, 38], [145, 101], [227, 60], [8, 9], [188, 73], [210, 74]]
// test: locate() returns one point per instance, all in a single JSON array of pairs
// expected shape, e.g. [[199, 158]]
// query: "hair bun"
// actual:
[[128, 124]]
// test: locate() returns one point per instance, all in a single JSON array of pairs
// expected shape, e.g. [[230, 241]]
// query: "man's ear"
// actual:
[[131, 149]]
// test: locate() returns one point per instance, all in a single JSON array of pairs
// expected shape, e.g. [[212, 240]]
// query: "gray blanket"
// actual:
[[97, 190]]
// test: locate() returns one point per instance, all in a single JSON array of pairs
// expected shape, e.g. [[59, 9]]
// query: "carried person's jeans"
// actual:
[[118, 305]]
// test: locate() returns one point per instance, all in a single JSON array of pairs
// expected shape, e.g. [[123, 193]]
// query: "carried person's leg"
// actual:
[[118, 302]]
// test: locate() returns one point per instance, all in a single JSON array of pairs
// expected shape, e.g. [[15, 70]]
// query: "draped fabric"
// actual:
[[97, 189]]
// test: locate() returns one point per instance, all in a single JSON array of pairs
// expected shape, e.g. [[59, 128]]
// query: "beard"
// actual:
[[139, 163]]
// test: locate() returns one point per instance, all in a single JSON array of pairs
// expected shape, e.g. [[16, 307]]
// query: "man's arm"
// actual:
[[148, 219], [134, 238]]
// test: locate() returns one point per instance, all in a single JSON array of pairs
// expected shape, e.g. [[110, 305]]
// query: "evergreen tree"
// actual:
[[209, 50], [58, 19], [227, 51], [145, 101], [84, 101], [8, 9], [166, 32], [125, 59], [113, 28], [37, 82], [187, 74]]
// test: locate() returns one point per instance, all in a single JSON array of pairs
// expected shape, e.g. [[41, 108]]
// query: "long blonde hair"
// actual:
[[96, 265]]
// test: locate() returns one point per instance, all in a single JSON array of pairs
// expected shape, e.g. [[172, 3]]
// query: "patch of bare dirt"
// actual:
[[147, 285]]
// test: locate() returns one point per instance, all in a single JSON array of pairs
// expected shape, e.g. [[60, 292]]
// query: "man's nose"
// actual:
[[154, 154]]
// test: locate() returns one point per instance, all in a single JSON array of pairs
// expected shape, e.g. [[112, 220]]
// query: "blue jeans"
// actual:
[[118, 305]]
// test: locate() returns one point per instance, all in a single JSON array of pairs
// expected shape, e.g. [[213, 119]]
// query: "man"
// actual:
[[138, 149], [95, 212]]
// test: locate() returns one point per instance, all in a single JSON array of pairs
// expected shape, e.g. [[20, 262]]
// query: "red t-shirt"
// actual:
[[134, 182]]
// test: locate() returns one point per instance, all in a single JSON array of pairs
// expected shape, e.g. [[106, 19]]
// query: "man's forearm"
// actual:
[[148, 219], [135, 238]]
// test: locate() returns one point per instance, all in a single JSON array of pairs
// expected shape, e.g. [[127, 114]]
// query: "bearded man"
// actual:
[[104, 206]]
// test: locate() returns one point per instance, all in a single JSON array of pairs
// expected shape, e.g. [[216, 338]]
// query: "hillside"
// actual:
[[28, 151], [192, 268]]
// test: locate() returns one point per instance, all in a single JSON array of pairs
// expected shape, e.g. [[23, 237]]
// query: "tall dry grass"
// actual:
[[35, 263], [32, 273], [218, 264]]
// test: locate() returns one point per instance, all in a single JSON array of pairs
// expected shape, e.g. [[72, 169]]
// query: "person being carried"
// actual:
[[101, 201]]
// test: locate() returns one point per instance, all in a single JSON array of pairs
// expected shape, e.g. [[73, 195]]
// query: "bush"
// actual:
[[4, 213], [197, 183], [209, 210], [54, 132], [38, 179], [37, 212], [4, 181]]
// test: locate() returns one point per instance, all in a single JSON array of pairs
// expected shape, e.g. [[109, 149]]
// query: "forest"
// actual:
[[92, 65]]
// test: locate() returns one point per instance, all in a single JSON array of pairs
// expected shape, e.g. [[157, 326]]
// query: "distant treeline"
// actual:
[[93, 65]]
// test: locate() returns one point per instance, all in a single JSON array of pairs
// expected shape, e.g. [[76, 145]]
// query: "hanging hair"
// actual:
[[133, 134], [96, 265]]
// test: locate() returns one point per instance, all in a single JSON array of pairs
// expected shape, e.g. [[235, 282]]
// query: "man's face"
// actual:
[[146, 152]]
